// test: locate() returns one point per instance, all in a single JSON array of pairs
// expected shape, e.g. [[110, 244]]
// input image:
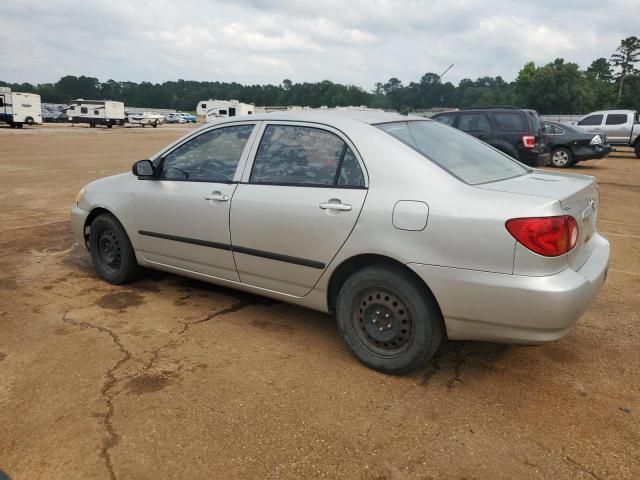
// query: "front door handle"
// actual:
[[217, 196], [343, 207]]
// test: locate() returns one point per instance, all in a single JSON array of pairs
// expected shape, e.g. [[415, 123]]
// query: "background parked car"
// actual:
[[143, 119], [174, 118], [515, 131], [188, 117], [570, 144], [622, 127]]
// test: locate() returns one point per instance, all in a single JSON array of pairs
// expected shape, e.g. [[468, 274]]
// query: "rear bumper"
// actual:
[[535, 157], [513, 308], [591, 152]]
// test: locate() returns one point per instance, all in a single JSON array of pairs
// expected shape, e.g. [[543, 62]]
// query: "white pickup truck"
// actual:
[[622, 127]]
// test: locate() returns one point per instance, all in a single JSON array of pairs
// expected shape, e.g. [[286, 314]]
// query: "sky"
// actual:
[[265, 41]]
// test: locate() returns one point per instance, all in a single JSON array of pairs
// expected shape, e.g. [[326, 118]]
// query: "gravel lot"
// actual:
[[173, 378]]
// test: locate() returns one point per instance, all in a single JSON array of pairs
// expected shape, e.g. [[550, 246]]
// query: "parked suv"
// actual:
[[515, 131]]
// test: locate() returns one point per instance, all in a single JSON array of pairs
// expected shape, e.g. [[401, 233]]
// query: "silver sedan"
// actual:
[[407, 230]]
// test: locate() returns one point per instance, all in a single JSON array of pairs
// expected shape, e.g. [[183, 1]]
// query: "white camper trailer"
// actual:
[[96, 112], [16, 108], [214, 109]]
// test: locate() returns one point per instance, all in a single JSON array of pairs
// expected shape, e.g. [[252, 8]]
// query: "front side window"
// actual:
[[616, 119], [210, 157], [473, 122], [296, 155], [591, 120], [509, 122], [465, 157]]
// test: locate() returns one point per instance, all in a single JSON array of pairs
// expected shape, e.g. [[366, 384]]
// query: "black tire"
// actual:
[[111, 251], [638, 149], [19, 125], [29, 121], [388, 319], [109, 125], [155, 124], [561, 157], [92, 125]]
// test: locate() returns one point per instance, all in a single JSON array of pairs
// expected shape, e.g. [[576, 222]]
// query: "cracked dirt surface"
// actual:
[[172, 378]]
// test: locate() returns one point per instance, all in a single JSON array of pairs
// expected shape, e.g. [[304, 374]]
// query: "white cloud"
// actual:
[[264, 41]]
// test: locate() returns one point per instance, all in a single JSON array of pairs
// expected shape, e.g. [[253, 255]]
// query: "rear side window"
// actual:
[[296, 155], [509, 122], [591, 120], [210, 157], [473, 122], [616, 119], [552, 129], [536, 123], [445, 119], [468, 159]]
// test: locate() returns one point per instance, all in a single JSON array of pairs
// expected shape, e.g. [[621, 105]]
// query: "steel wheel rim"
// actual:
[[382, 322], [109, 249], [560, 158]]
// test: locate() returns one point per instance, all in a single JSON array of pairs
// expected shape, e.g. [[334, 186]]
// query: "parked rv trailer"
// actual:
[[18, 109], [225, 108], [96, 112]]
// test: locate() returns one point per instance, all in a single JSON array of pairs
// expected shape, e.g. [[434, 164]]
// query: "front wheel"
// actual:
[[388, 319], [561, 158], [111, 251]]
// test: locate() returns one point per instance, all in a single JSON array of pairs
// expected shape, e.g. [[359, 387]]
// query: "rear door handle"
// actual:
[[343, 207], [217, 196]]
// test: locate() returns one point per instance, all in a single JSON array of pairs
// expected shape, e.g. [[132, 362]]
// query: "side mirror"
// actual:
[[143, 169]]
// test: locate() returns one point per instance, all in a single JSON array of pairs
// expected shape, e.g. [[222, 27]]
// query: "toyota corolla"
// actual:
[[407, 230]]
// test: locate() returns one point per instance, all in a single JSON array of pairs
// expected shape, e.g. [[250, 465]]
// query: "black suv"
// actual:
[[515, 131]]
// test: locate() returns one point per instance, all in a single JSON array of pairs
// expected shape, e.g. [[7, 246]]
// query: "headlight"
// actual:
[[80, 195], [596, 140]]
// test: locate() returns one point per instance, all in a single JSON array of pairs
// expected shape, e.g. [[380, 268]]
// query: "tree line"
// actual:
[[554, 88]]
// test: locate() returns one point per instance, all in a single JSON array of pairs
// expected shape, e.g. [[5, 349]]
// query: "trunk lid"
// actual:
[[577, 194]]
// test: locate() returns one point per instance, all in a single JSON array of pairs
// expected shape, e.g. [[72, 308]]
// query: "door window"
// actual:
[[295, 155], [1, 101], [509, 122], [616, 119], [473, 122], [591, 120], [210, 157]]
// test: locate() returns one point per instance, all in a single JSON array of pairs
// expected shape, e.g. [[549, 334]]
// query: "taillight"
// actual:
[[529, 141], [548, 236]]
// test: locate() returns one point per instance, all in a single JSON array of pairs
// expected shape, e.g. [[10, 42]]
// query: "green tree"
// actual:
[[625, 58]]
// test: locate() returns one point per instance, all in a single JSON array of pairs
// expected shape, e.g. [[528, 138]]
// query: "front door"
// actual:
[[296, 207], [182, 217]]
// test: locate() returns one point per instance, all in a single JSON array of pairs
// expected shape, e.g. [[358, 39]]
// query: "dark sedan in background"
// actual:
[[570, 145]]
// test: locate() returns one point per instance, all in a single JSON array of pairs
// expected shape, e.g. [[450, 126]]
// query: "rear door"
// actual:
[[296, 206], [617, 127], [476, 124]]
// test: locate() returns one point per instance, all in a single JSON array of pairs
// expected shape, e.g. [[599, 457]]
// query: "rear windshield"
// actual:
[[462, 155]]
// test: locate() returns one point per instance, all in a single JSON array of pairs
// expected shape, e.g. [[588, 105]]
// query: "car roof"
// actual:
[[329, 116]]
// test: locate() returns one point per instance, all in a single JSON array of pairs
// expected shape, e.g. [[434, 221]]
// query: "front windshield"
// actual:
[[463, 156]]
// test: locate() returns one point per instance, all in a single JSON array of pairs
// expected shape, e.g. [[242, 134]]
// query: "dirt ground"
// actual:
[[173, 378]]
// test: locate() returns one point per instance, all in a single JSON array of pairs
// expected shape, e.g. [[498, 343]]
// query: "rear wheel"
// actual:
[[29, 121], [19, 125], [638, 149], [561, 158], [388, 320], [111, 251]]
